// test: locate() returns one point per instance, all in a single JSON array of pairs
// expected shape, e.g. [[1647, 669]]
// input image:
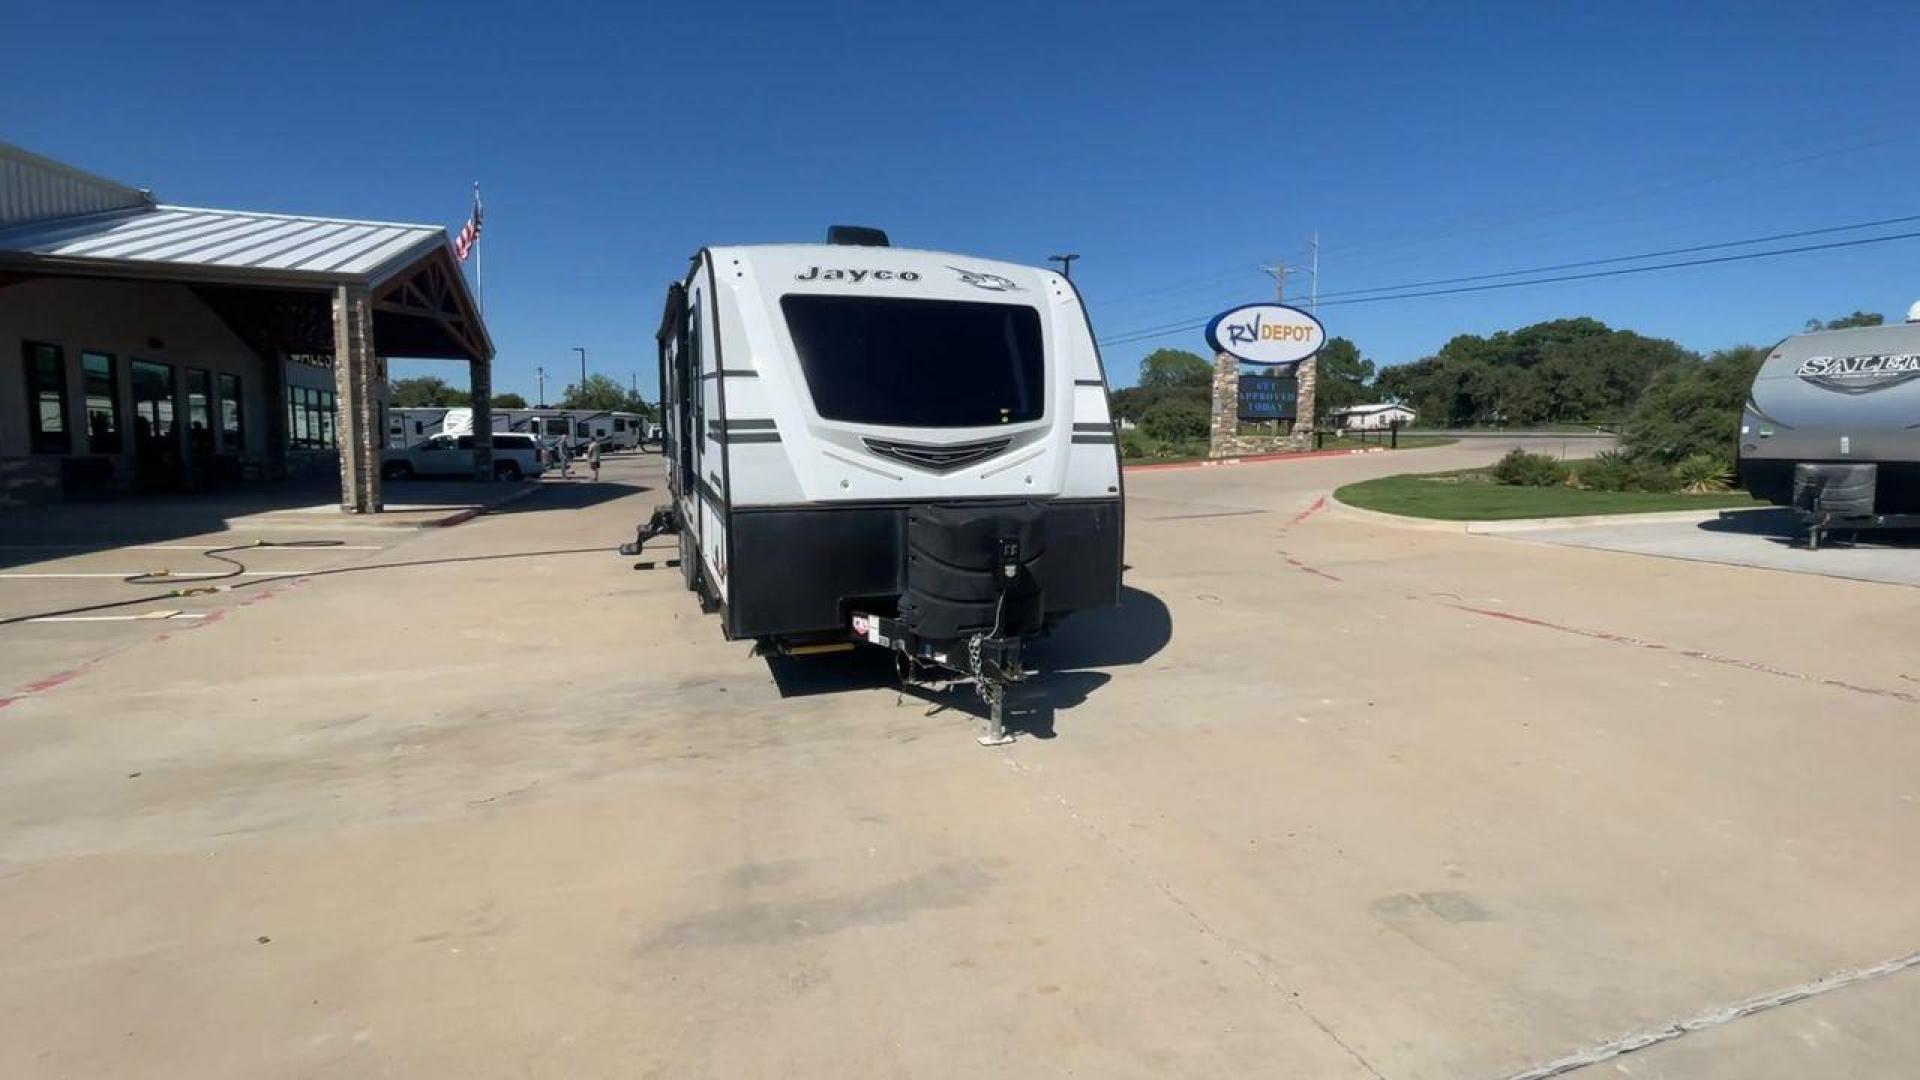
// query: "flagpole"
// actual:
[[479, 291]]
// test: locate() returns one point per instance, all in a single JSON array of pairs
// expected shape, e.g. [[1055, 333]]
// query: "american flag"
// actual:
[[470, 232]]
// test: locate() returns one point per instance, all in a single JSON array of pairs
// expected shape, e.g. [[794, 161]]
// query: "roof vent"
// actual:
[[856, 236]]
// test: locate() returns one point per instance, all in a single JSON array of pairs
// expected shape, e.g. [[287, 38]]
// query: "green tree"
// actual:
[[425, 390], [1176, 420], [1563, 369], [1342, 377], [637, 404], [1694, 408], [599, 393], [1166, 368], [1130, 402], [1846, 322], [509, 401]]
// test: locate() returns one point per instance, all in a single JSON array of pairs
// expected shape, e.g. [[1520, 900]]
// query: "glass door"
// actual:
[[156, 431]]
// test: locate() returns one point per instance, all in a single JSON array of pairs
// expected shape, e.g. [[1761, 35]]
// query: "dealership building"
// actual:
[[151, 347]]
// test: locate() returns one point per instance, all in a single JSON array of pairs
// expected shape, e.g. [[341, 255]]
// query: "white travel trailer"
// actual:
[[615, 430], [909, 449], [410, 426]]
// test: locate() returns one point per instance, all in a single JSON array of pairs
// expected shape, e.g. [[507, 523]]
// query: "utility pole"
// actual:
[[1066, 264], [540, 374], [1313, 297], [1279, 271], [583, 369]]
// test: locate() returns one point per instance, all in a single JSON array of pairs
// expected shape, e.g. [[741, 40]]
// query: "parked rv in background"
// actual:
[[1832, 425], [407, 427]]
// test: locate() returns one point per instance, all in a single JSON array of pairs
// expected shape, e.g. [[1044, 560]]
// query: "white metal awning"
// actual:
[[223, 243]]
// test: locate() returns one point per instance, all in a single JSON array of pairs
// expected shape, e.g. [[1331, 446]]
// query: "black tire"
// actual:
[[398, 470], [689, 561], [507, 470]]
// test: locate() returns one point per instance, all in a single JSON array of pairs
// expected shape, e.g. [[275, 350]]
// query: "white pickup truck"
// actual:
[[515, 457]]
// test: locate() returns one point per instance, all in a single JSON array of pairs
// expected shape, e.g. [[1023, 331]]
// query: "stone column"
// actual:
[[1307, 374], [1226, 405], [480, 385], [273, 385], [356, 374]]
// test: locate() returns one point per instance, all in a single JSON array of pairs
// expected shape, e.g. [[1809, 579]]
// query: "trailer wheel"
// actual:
[[689, 562]]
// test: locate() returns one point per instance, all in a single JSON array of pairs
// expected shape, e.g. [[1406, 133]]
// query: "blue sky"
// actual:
[[1174, 149]]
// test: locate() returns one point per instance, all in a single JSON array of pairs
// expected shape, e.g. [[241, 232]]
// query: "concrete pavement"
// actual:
[[1324, 798]]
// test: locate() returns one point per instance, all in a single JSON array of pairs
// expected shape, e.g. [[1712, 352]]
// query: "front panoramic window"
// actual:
[[919, 363]]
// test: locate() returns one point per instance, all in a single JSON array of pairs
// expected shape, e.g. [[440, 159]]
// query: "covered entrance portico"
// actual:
[[165, 347]]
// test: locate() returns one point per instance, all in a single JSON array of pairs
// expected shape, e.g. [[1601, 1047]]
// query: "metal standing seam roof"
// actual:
[[185, 236]]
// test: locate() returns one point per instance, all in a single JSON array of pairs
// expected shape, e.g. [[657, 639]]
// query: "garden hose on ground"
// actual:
[[202, 586]]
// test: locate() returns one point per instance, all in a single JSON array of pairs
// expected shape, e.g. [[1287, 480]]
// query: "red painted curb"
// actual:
[[1248, 459]]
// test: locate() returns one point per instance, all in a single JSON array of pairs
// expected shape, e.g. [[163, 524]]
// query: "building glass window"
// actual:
[[47, 398], [232, 435], [103, 403], [310, 418], [199, 411], [153, 426]]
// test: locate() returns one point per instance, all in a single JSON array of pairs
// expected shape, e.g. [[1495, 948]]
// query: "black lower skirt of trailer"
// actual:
[[798, 572]]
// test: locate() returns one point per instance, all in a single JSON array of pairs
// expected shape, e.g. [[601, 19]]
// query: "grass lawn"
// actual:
[[1448, 497]]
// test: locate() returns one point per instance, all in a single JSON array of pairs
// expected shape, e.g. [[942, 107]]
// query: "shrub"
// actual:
[[1611, 470], [1521, 469], [1176, 421], [1646, 474], [1608, 470], [1703, 474]]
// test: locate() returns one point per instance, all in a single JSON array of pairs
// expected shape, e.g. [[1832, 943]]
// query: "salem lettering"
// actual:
[[1877, 366]]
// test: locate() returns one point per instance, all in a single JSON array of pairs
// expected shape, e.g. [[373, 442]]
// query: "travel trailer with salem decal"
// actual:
[[906, 449], [1832, 427]]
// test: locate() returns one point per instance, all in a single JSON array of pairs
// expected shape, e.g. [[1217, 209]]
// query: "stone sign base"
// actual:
[[1224, 438]]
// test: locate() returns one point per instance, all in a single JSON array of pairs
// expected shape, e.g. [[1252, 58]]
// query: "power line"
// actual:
[[1467, 225], [1633, 258], [1144, 335], [1182, 323]]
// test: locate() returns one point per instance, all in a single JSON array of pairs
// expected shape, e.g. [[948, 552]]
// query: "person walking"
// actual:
[[566, 457], [593, 459]]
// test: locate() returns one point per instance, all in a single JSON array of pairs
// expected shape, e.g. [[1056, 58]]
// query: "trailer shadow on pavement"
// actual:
[[1130, 633], [1782, 525]]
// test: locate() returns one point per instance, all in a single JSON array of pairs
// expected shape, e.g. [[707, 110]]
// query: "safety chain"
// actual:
[[988, 690]]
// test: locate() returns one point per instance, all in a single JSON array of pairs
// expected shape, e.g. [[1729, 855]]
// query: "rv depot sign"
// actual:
[[1266, 334], [1268, 396], [1281, 341]]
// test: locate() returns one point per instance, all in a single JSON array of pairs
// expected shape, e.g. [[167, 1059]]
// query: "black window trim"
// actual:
[[114, 395], [220, 379], [37, 436]]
